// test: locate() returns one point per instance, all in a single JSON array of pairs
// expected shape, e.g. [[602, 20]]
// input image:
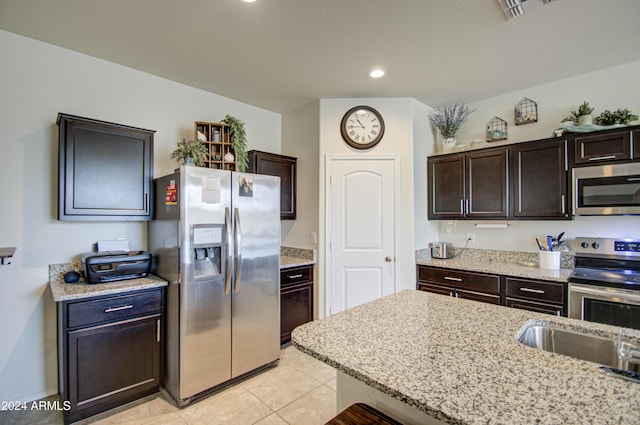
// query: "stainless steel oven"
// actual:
[[605, 284], [607, 189]]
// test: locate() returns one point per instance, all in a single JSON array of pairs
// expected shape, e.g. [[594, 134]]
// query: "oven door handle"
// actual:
[[605, 292]]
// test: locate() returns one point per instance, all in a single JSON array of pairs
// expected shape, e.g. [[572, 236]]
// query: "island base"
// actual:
[[349, 391]]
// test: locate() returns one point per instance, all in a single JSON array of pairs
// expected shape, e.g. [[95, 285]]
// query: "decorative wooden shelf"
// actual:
[[525, 112], [496, 129], [216, 137]]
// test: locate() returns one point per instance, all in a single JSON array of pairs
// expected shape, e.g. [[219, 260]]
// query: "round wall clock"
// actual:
[[362, 127]]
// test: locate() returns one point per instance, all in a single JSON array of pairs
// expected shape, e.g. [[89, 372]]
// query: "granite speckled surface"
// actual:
[[74, 291], [458, 361], [296, 257], [508, 263]]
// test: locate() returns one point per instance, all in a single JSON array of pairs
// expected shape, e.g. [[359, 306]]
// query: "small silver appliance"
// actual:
[[441, 250]]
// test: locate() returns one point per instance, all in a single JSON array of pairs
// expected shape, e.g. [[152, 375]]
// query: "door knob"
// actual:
[[387, 259]]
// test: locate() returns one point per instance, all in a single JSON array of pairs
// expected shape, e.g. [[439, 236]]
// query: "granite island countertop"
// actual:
[[458, 361], [74, 291]]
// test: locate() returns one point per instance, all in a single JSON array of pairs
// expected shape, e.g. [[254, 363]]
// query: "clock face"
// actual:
[[362, 127]]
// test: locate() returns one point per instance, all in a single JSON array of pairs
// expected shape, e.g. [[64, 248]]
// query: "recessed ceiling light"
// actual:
[[376, 73], [249, 1]]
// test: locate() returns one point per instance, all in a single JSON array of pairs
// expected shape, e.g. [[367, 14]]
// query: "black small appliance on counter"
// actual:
[[109, 266]]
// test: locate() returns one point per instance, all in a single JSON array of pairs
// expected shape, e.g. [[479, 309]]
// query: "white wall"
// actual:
[[611, 89], [400, 130], [425, 144], [37, 81], [300, 139]]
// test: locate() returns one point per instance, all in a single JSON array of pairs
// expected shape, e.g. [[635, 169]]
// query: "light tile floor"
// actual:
[[299, 391]]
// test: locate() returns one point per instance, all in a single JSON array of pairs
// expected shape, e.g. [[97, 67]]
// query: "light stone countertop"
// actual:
[[296, 257], [514, 269], [74, 291], [458, 361], [287, 262], [507, 263]]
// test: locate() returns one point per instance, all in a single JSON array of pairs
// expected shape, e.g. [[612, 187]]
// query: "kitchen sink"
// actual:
[[583, 346]]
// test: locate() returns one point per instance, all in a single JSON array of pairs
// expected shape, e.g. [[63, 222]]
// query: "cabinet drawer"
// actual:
[[556, 310], [296, 275], [436, 289], [82, 313], [459, 279], [603, 148], [534, 290]]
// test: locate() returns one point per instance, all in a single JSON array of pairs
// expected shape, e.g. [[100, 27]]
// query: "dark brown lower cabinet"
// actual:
[[296, 299], [460, 284], [535, 295], [527, 294], [109, 350]]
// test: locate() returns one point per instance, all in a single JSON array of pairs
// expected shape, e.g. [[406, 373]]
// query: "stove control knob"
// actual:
[[595, 245], [585, 244]]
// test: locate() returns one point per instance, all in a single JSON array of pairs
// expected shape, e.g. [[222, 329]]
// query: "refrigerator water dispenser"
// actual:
[[206, 251]]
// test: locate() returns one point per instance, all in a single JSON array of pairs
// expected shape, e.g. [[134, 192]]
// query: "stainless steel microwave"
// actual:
[[607, 189]]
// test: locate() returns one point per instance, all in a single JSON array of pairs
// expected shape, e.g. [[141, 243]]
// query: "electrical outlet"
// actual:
[[471, 237], [314, 238]]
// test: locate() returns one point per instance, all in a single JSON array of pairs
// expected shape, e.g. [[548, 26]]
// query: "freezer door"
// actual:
[[256, 283], [205, 298]]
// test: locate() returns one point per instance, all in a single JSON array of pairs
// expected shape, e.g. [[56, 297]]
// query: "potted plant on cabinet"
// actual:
[[448, 121], [617, 117], [239, 140], [582, 116], [191, 152]]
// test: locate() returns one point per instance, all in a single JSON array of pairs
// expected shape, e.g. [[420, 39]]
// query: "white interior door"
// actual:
[[361, 229]]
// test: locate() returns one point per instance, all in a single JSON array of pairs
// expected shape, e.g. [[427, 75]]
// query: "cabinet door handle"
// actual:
[[461, 206], [601, 158], [122, 307], [633, 179], [535, 291], [466, 206], [562, 203], [158, 330], [451, 294], [295, 276], [457, 279]]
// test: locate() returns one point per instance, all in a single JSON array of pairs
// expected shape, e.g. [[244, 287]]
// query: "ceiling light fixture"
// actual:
[[376, 73], [249, 1]]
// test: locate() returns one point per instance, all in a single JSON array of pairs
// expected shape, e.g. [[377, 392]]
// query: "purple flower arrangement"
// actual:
[[449, 119]]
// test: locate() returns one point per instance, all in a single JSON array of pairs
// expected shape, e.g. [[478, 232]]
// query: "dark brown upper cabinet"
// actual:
[[602, 147], [540, 180], [469, 185], [636, 144], [445, 176], [284, 167], [105, 171]]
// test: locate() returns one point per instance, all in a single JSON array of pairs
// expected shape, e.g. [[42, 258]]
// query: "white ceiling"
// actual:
[[281, 54]]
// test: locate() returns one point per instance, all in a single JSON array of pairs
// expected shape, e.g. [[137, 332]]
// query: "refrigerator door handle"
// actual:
[[227, 226], [237, 249]]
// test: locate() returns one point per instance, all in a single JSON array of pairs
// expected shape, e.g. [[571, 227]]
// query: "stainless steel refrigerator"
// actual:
[[216, 239]]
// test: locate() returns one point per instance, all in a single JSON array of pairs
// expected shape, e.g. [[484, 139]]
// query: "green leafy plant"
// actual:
[[190, 149], [584, 109], [449, 119], [238, 140], [619, 116]]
